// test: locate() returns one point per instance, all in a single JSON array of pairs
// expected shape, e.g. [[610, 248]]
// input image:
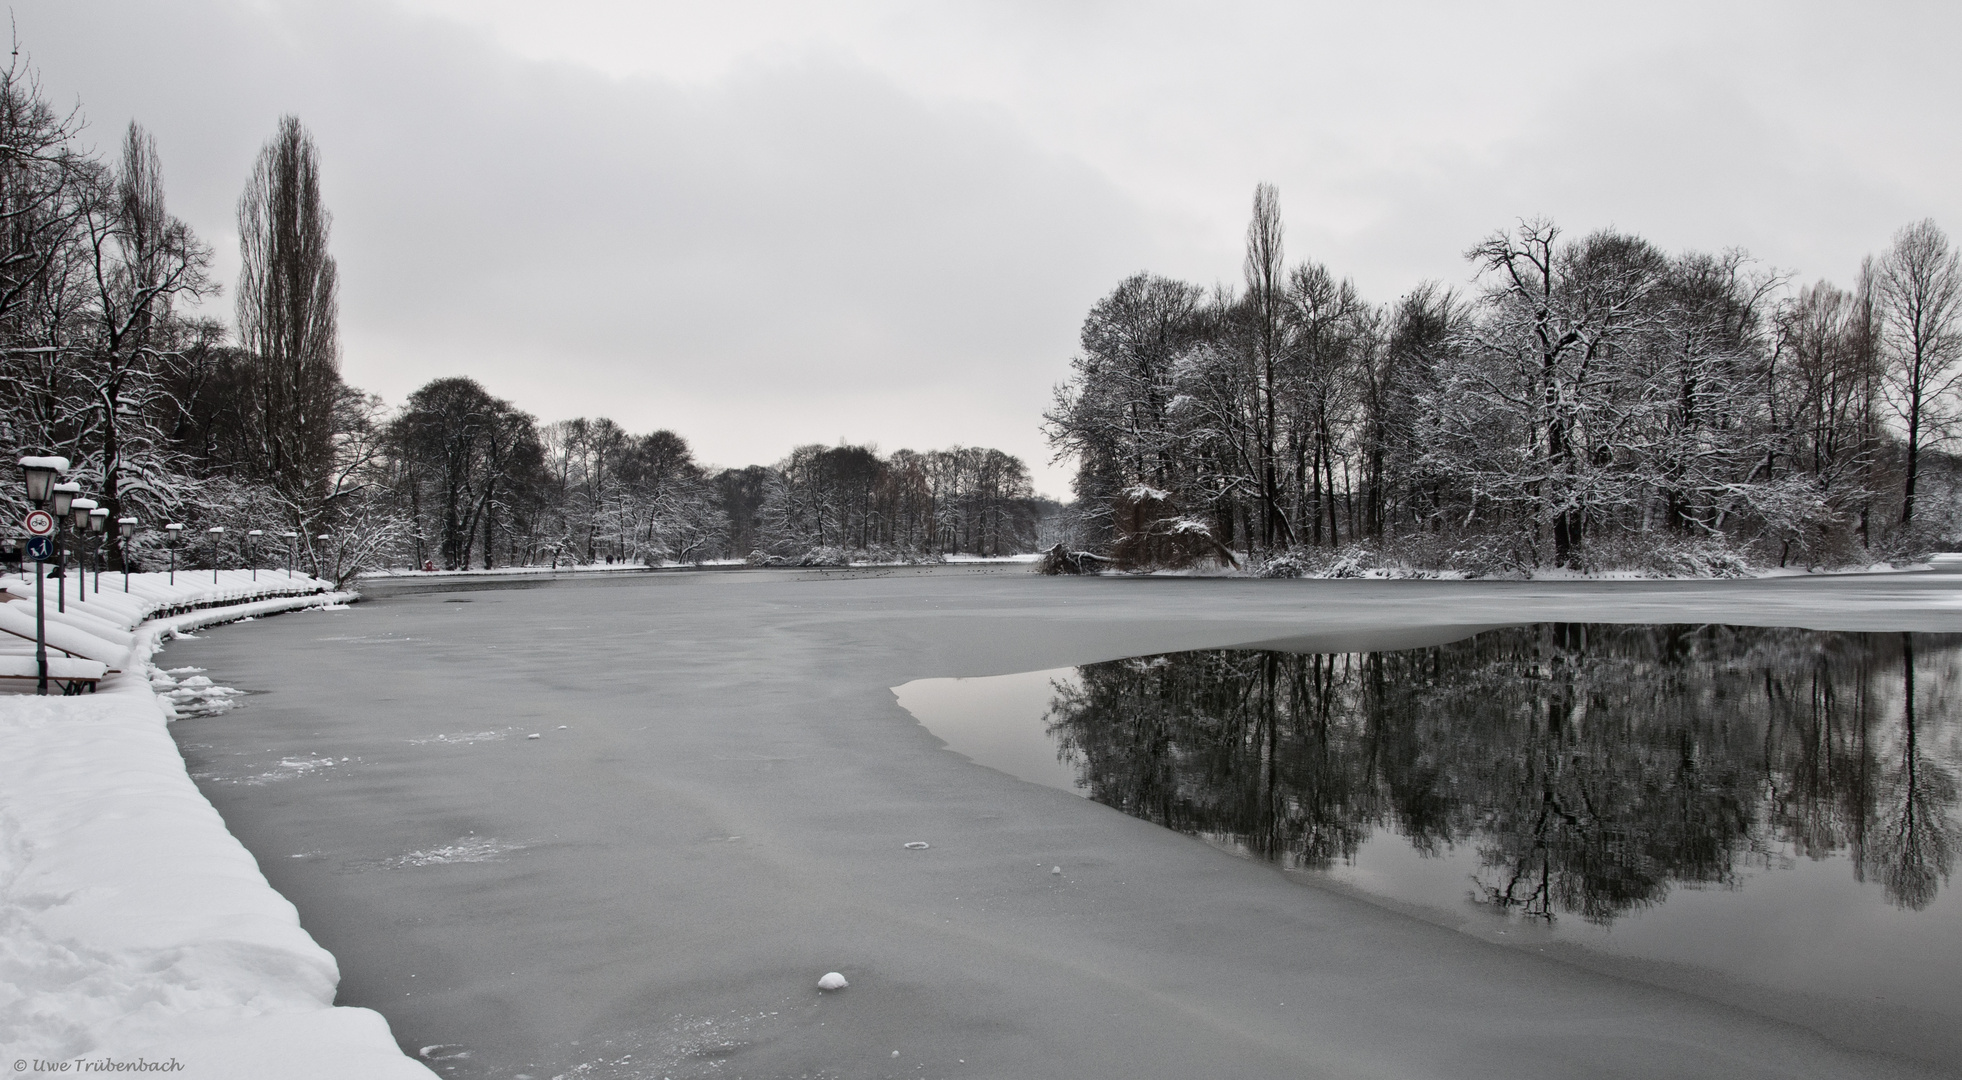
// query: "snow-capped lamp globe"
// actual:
[[62, 495], [40, 473], [78, 513]]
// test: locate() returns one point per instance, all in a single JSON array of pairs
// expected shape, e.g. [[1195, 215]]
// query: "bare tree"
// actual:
[[1921, 302], [141, 261], [1266, 306]]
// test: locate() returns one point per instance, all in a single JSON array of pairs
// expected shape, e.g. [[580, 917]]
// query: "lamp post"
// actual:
[[322, 540], [252, 550], [60, 496], [175, 530], [39, 473], [126, 528], [99, 525], [216, 532], [78, 517], [291, 539]]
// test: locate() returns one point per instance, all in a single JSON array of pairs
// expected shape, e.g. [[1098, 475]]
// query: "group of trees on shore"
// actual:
[[1594, 402], [472, 480], [169, 416]]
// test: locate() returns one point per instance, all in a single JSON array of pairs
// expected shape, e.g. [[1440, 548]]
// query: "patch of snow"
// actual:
[[132, 924], [469, 850], [459, 738], [832, 981]]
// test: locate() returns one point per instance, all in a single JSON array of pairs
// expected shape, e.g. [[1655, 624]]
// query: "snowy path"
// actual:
[[134, 929], [718, 808]]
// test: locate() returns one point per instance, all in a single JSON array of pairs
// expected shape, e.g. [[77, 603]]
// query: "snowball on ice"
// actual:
[[832, 981]]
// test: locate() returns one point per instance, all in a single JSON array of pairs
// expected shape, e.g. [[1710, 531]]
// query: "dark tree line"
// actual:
[[476, 481], [1592, 402]]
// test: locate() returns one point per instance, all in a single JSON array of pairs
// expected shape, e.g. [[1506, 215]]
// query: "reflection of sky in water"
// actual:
[[997, 722], [1782, 919]]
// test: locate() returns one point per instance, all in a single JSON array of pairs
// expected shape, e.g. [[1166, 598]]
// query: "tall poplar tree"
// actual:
[[288, 317]]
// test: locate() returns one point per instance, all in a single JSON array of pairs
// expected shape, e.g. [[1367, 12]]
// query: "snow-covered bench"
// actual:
[[70, 673], [82, 648]]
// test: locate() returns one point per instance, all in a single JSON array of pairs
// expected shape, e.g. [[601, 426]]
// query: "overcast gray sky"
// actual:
[[768, 224]]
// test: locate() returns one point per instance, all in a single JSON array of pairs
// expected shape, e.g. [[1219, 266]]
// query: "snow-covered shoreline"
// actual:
[[135, 930]]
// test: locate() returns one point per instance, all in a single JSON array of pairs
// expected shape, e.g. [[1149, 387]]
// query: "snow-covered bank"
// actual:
[[134, 929]]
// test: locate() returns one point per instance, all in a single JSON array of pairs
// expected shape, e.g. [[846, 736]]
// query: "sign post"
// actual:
[[40, 549]]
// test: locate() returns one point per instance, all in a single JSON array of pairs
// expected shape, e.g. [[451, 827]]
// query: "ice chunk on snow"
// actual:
[[534, 735], [832, 981], [1055, 869], [917, 845]]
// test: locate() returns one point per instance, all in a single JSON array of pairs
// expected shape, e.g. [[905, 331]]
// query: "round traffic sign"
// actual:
[[40, 548], [40, 523]]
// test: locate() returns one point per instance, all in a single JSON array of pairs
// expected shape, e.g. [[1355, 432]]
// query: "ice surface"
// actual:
[[756, 705]]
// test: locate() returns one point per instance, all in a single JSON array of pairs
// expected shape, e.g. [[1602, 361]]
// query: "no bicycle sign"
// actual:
[[39, 523]]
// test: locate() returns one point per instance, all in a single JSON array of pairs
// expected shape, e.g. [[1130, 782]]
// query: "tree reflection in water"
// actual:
[[1591, 767]]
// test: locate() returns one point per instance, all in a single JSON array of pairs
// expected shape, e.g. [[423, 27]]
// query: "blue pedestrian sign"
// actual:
[[40, 548]]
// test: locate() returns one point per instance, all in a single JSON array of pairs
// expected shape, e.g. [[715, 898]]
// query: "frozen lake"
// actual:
[[717, 807]]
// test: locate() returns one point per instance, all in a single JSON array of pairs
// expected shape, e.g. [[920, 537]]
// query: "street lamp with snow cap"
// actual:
[[60, 498], [175, 530], [40, 473], [99, 525], [251, 551], [79, 510], [126, 528], [215, 532]]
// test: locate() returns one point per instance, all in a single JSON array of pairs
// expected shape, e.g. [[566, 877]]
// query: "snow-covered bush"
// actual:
[[1061, 560], [1153, 535]]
